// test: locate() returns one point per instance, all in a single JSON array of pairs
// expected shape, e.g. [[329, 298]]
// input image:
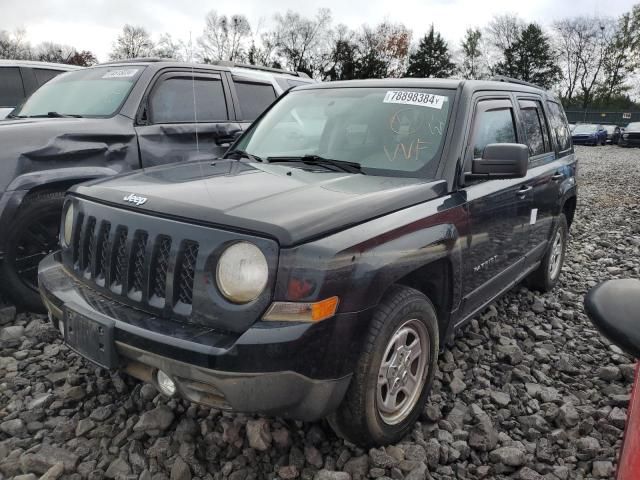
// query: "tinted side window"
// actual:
[[254, 98], [43, 75], [533, 130], [173, 101], [11, 88], [559, 127], [492, 126]]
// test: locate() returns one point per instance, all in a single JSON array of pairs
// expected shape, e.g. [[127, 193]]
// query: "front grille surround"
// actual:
[[176, 281]]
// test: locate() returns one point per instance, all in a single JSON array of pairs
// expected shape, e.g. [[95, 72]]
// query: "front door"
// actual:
[[186, 118], [499, 211]]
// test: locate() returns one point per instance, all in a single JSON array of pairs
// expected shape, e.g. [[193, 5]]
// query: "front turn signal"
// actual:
[[302, 312]]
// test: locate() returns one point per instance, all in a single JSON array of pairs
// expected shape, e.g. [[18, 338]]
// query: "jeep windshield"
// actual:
[[382, 131], [93, 92]]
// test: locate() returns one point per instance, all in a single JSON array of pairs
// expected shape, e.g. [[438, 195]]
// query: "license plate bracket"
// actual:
[[93, 338]]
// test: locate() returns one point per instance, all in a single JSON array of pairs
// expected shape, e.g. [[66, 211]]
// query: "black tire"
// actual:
[[32, 235], [358, 419], [544, 278]]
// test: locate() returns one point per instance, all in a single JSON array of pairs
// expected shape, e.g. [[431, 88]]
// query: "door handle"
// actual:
[[523, 190], [557, 176]]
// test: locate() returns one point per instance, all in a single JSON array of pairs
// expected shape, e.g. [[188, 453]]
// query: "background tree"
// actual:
[[15, 46], [85, 58], [133, 42], [167, 47], [471, 66], [224, 38], [300, 42], [431, 58], [622, 56], [530, 58]]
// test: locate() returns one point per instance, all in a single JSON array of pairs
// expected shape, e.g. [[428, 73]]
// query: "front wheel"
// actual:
[[30, 237], [394, 372], [546, 276]]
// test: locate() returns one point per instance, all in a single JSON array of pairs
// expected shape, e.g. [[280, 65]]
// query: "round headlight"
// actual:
[[67, 228], [242, 272]]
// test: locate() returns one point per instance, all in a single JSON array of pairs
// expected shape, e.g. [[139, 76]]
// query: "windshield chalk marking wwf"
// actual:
[[419, 99]]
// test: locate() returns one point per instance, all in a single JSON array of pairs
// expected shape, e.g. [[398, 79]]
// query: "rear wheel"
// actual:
[[546, 276], [31, 236], [395, 371]]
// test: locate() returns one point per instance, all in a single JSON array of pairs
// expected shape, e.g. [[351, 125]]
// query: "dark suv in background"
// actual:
[[109, 119], [319, 268], [20, 78]]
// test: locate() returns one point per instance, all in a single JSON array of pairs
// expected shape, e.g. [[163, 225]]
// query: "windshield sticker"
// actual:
[[122, 73], [419, 99]]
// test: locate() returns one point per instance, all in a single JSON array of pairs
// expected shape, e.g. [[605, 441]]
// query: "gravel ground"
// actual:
[[528, 391]]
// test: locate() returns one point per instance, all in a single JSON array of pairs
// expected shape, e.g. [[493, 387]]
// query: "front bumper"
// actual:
[[629, 142], [295, 370]]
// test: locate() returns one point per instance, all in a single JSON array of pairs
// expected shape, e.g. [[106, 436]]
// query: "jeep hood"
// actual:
[[276, 200]]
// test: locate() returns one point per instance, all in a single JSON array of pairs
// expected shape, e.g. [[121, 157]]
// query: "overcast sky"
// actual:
[[94, 24]]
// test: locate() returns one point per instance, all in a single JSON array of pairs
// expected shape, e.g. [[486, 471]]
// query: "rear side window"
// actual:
[[43, 75], [559, 127], [535, 127], [254, 98], [174, 99], [492, 126], [11, 88]]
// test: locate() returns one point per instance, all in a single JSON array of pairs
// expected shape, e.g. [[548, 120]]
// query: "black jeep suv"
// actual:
[[319, 267], [109, 119]]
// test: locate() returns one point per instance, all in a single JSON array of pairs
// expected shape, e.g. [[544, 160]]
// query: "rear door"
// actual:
[[542, 173], [185, 116], [252, 97], [498, 209], [12, 92]]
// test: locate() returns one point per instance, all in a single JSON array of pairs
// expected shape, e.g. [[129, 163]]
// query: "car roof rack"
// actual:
[[139, 59], [227, 63], [503, 78]]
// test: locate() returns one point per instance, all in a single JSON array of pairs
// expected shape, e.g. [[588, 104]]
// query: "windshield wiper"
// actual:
[[243, 154], [335, 165], [54, 115]]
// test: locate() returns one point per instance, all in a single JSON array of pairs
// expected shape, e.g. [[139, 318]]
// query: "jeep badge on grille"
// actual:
[[133, 198]]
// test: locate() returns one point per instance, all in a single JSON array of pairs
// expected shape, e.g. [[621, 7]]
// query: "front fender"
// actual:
[[21, 186], [359, 264]]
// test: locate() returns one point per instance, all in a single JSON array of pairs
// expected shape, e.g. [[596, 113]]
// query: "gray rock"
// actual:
[[117, 468], [588, 446], [330, 475], [7, 314], [46, 457], [13, 428], [54, 472], [84, 426], [618, 417], [13, 332], [500, 398], [259, 434], [380, 458], [568, 416], [511, 456], [609, 373], [154, 420], [180, 470], [419, 473], [313, 456], [288, 472], [26, 476], [101, 413], [357, 467], [457, 386], [602, 469]]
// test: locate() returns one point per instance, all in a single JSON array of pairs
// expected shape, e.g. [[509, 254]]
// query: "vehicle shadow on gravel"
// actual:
[[528, 389]]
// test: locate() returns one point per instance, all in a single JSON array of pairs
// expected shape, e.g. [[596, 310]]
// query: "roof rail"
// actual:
[[502, 78], [140, 59], [226, 63]]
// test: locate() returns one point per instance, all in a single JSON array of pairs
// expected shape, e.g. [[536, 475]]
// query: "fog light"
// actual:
[[166, 385]]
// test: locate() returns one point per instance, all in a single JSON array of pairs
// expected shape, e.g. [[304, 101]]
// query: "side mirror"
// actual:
[[501, 160], [613, 308]]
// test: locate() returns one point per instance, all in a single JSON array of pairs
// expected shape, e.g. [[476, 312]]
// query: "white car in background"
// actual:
[[20, 78]]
